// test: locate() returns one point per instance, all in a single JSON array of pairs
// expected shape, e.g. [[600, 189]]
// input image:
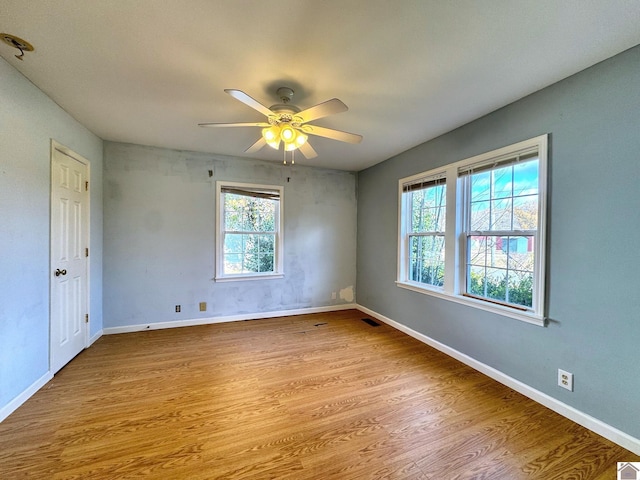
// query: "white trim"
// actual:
[[229, 318], [27, 393], [597, 426], [93, 339]]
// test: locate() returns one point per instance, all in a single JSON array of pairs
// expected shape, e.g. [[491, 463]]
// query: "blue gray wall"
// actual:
[[160, 236], [28, 122], [593, 119]]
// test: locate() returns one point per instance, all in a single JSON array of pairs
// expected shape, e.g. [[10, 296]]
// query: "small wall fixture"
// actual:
[[18, 43]]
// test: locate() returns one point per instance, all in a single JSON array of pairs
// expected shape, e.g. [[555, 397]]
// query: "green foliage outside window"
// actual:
[[250, 236], [518, 290]]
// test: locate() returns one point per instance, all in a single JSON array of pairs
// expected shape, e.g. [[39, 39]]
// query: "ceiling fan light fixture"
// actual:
[[301, 139], [287, 134], [272, 136]]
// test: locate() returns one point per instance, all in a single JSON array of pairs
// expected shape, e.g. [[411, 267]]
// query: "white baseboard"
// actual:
[[224, 319], [13, 405], [93, 339], [597, 426]]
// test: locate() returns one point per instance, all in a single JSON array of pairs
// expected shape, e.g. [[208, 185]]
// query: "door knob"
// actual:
[[60, 272]]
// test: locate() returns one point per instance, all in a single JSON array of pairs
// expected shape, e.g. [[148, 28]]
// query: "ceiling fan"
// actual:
[[288, 124]]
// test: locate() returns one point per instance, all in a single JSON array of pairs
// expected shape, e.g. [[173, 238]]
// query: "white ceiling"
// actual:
[[148, 71]]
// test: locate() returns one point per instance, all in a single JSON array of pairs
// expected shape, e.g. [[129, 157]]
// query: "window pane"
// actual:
[[501, 268], [525, 178], [525, 212], [233, 243], [476, 281], [496, 280], [251, 216], [519, 251], [428, 209], [477, 251], [233, 263], [480, 216], [426, 261], [266, 262], [481, 186], [250, 263], [501, 214], [502, 182], [416, 200], [268, 217], [251, 254], [233, 220], [520, 290], [266, 243]]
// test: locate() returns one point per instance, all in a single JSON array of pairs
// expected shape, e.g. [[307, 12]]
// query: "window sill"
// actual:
[[243, 277], [505, 311]]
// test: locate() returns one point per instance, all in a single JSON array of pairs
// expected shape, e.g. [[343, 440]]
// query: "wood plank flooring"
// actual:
[[323, 396]]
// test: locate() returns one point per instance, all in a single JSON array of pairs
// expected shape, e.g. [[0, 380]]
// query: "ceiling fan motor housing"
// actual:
[[285, 94], [285, 111]]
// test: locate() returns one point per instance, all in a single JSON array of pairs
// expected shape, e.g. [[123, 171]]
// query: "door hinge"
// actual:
[[86, 252], [86, 318], [86, 186]]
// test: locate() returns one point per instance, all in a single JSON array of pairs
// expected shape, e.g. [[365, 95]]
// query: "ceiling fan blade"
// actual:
[[261, 142], [308, 151], [247, 100], [333, 134], [253, 124], [323, 109]]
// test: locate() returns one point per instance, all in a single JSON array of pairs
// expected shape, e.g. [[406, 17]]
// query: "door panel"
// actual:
[[69, 263]]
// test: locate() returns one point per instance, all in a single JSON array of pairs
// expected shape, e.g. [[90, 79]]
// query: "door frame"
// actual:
[[70, 153]]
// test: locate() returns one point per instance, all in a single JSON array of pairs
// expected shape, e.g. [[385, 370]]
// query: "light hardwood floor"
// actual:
[[323, 396]]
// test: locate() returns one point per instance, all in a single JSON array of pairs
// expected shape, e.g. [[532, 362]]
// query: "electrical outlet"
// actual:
[[203, 306], [177, 308], [333, 295], [565, 380]]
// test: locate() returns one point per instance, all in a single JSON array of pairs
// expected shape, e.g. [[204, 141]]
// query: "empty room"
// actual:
[[319, 240]]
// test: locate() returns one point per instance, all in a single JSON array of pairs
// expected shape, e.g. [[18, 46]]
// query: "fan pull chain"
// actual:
[[293, 160]]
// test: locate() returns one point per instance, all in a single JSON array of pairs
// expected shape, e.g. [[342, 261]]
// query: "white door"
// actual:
[[69, 252]]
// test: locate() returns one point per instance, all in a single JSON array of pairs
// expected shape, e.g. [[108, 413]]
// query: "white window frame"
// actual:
[[220, 275], [406, 231], [456, 236]]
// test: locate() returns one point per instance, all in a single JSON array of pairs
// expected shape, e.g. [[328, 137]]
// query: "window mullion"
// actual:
[[452, 227]]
